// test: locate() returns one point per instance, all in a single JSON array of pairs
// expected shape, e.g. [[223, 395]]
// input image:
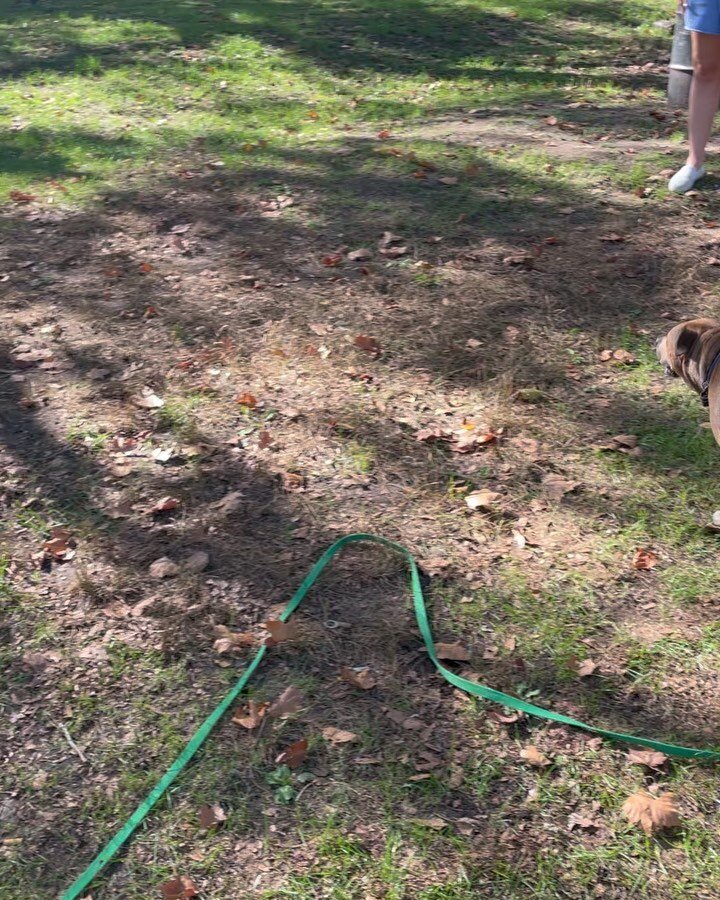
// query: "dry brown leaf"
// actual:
[[196, 562], [625, 440], [576, 820], [338, 736], [164, 504], [230, 503], [294, 755], [287, 703], [612, 238], [483, 500], [359, 677], [435, 822], [236, 638], [644, 559], [534, 757], [556, 486], [520, 259], [147, 399], [586, 667], [368, 344], [653, 759], [332, 260], [247, 399], [279, 631], [180, 888], [456, 651], [361, 255], [60, 546], [251, 716], [506, 718], [388, 239], [448, 180], [265, 439], [211, 816], [22, 197], [433, 433], [653, 814]]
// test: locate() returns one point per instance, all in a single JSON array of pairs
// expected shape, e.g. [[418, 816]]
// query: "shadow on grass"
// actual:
[[437, 39]]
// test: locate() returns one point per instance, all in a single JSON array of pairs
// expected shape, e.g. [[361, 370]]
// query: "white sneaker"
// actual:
[[684, 179]]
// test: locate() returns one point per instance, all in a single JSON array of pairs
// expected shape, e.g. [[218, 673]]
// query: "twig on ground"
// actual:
[[73, 746]]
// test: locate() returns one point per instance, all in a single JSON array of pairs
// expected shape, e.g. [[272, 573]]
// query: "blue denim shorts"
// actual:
[[703, 16]]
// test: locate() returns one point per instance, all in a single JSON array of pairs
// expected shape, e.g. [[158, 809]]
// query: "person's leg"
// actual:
[[704, 94]]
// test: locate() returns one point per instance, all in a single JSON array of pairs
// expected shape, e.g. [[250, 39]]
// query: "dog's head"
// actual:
[[688, 348]]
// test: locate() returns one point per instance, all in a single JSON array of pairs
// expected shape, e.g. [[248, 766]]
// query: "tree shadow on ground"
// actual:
[[404, 38]]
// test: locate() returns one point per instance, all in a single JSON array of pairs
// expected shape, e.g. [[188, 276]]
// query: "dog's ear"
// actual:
[[686, 339]]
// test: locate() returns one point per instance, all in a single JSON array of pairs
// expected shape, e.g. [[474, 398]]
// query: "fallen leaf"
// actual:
[[468, 442], [644, 559], [368, 344], [165, 504], [230, 503], [394, 252], [60, 546], [534, 757], [619, 357], [506, 718], [180, 888], [212, 816], [449, 180], [279, 631], [452, 651], [251, 716], [436, 823], [551, 120], [287, 703], [360, 255], [148, 400], [388, 239], [293, 482], [246, 399], [22, 197], [472, 169], [653, 759], [556, 486], [484, 500], [575, 820], [332, 260], [384, 134], [163, 568], [431, 434], [612, 238], [338, 736], [294, 755], [180, 229], [145, 268], [586, 667], [196, 562], [265, 439], [24, 357], [359, 677], [236, 638], [625, 440], [652, 813], [39, 661], [520, 259]]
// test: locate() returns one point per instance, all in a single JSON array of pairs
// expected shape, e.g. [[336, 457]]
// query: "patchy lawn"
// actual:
[[266, 268]]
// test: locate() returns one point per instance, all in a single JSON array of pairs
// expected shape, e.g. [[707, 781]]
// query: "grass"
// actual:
[[204, 161]]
